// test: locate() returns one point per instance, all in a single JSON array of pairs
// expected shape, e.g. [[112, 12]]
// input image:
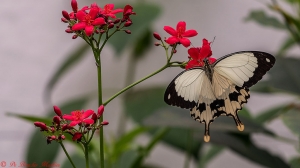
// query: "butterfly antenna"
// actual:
[[212, 41]]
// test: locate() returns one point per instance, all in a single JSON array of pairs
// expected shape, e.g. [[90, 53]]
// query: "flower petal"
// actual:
[[93, 13], [79, 26], [172, 40], [170, 30], [212, 60], [190, 33], [109, 6], [181, 26], [98, 21], [87, 113], [89, 30], [88, 121], [194, 53], [73, 123], [117, 11], [77, 136], [80, 15], [68, 117], [185, 42], [191, 64], [205, 51]]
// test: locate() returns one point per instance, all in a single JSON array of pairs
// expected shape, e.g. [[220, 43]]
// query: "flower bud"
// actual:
[[49, 139], [62, 137], [109, 21], [100, 111], [117, 21], [127, 24], [66, 15], [66, 127], [56, 120], [94, 117], [157, 44], [102, 31], [57, 111], [53, 137], [42, 125], [64, 20], [74, 5], [127, 31], [77, 136], [69, 31], [104, 122], [174, 51], [75, 36], [111, 25], [157, 36]]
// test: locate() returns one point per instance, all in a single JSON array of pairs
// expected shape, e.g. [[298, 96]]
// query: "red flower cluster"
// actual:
[[95, 19], [198, 55], [60, 125]]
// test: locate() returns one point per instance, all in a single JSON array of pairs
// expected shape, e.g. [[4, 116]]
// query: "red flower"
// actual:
[[199, 54], [79, 116], [77, 136], [42, 125], [179, 35], [88, 21], [109, 12], [127, 12]]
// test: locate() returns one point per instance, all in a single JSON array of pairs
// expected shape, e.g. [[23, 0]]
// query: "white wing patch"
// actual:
[[240, 74]]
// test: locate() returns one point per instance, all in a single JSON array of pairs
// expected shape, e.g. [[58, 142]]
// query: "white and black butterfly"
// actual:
[[220, 88]]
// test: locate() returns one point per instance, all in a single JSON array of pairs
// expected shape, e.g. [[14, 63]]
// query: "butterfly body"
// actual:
[[220, 88]]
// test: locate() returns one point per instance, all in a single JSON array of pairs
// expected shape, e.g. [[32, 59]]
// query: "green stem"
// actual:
[[62, 145], [86, 153], [135, 83], [101, 118]]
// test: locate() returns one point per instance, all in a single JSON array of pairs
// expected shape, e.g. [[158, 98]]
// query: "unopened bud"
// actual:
[[42, 125], [157, 36], [64, 20], [117, 21], [102, 31], [111, 25], [53, 137], [74, 5], [127, 24], [56, 119], [62, 137], [94, 117], [69, 31], [174, 51], [104, 122], [66, 15], [109, 21], [127, 31], [100, 111], [74, 36], [157, 44], [57, 111], [66, 127]]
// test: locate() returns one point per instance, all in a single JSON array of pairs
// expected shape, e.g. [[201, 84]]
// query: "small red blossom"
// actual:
[[127, 12], [78, 116], [157, 36], [104, 122], [66, 15], [198, 55], [179, 35], [109, 11], [88, 21], [77, 136], [56, 120]]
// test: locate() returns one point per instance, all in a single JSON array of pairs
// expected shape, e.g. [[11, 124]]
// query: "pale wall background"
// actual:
[[33, 44]]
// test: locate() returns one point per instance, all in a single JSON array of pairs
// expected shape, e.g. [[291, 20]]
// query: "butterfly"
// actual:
[[221, 88]]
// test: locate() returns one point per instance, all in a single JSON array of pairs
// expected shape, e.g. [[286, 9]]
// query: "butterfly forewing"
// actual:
[[225, 93]]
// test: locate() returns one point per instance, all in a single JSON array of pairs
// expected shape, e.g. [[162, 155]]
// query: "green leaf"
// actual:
[[151, 101], [145, 15], [260, 17], [242, 144], [77, 159], [213, 151], [142, 43], [284, 76], [292, 120], [271, 114], [66, 65], [38, 151], [295, 162], [287, 44], [30, 118]]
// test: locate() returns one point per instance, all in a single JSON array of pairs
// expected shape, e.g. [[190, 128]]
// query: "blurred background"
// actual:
[[34, 45]]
